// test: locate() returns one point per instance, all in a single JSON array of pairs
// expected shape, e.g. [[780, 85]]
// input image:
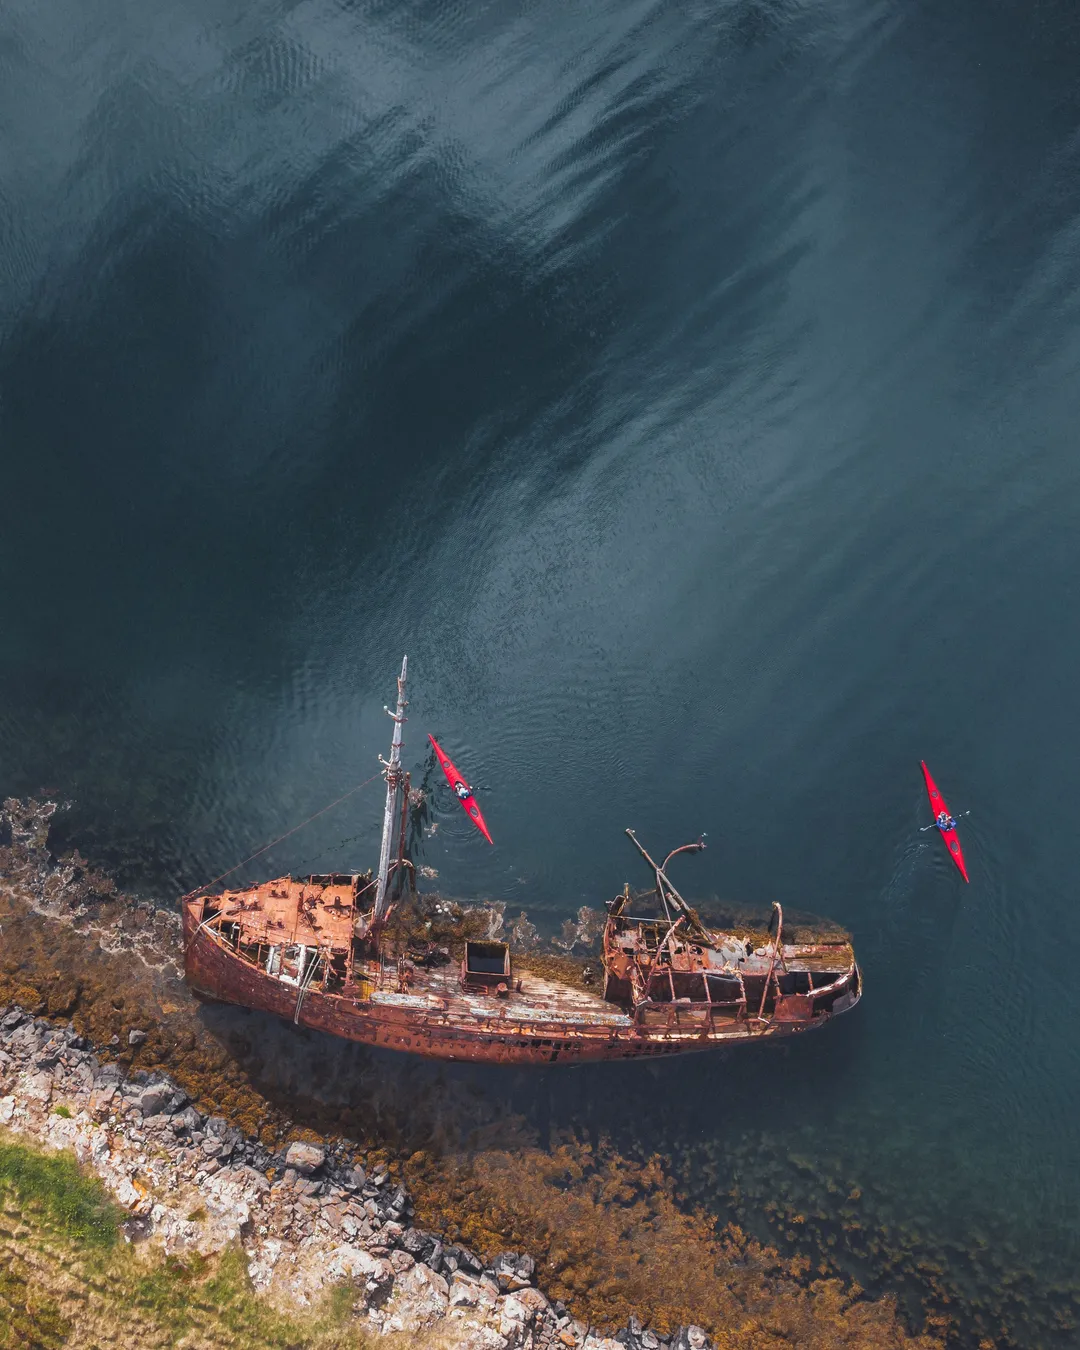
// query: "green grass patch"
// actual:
[[62, 1111], [65, 1217], [53, 1188], [191, 1293]]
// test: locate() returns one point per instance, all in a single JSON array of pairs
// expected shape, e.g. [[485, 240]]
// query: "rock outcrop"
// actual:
[[307, 1216]]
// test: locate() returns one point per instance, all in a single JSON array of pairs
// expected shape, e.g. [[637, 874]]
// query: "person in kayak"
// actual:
[[463, 790], [945, 822]]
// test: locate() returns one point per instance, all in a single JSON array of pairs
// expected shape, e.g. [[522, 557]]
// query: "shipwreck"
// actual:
[[336, 953]]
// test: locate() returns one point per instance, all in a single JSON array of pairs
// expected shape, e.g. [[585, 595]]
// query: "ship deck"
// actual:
[[539, 999]]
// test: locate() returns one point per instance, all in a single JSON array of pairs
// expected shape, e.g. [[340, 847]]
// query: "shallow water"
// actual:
[[691, 392]]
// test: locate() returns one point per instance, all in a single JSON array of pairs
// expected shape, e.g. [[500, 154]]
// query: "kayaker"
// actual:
[[945, 822], [463, 790]]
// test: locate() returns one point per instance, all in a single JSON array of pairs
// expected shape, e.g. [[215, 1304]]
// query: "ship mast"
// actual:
[[393, 774]]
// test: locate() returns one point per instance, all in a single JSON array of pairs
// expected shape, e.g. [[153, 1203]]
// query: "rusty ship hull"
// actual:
[[453, 1013]]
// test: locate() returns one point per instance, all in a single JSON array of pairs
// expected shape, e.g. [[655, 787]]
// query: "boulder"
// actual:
[[513, 1272], [152, 1099], [533, 1301], [420, 1244], [401, 1261], [422, 1297], [190, 1118], [467, 1260], [38, 1086], [101, 1101], [137, 1037], [305, 1158], [353, 1263], [27, 1040], [49, 1054], [690, 1338], [374, 1274], [512, 1315], [464, 1292]]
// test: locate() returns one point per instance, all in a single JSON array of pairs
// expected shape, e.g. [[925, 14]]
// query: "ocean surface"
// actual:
[[691, 390]]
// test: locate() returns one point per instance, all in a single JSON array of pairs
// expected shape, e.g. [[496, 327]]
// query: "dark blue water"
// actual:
[[691, 390]]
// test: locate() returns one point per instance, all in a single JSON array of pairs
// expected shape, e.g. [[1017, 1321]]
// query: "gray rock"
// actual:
[[152, 1100], [420, 1244], [526, 1268], [468, 1260], [38, 1086], [178, 1100], [14, 1017], [190, 1118], [231, 1140], [27, 1040], [305, 1158], [630, 1335], [137, 1037], [356, 1178]]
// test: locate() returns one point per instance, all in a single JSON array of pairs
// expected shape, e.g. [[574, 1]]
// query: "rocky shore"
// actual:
[[308, 1216]]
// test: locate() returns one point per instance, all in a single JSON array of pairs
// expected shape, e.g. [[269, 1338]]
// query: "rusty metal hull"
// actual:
[[555, 1025]]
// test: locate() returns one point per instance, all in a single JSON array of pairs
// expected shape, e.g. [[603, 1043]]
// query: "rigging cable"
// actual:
[[278, 840]]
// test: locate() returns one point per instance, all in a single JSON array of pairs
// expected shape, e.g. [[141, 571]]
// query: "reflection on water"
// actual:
[[690, 392]]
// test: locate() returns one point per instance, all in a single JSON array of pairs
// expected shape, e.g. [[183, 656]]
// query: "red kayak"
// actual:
[[941, 815], [462, 791]]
